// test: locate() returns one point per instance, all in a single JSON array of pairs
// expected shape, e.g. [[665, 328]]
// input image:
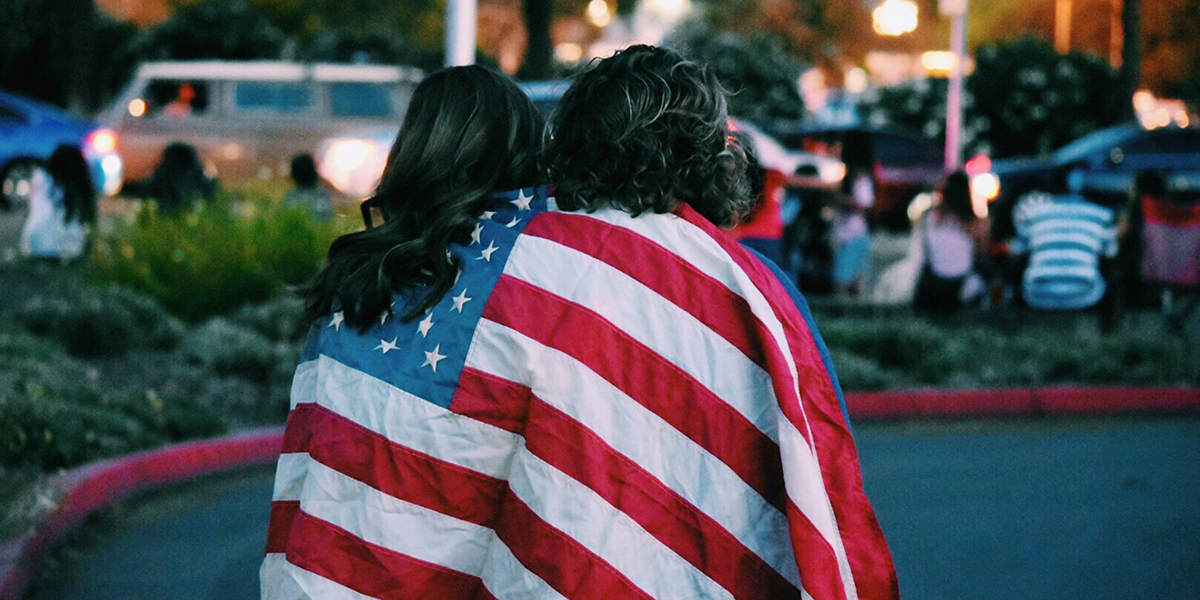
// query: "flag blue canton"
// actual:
[[425, 357]]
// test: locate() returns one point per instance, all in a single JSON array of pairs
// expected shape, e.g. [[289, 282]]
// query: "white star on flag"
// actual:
[[433, 358], [487, 252], [336, 323], [487, 214], [514, 223], [460, 300], [385, 345], [475, 234], [383, 317], [522, 201], [425, 325]]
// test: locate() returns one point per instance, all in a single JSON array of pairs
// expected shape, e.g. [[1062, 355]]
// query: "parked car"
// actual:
[[29, 133], [903, 163], [771, 154], [1101, 166], [247, 119]]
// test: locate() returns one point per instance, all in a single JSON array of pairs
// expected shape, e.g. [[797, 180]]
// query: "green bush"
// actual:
[[986, 350], [54, 412], [106, 321], [230, 350], [215, 258], [279, 320]]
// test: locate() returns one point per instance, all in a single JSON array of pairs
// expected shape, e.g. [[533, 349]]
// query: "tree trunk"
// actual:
[[1131, 53], [539, 50]]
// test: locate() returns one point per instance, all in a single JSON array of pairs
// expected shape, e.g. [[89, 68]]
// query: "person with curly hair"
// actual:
[[716, 345]]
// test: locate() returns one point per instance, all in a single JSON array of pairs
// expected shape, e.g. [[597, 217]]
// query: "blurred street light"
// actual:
[[568, 52], [895, 17], [598, 13], [939, 62]]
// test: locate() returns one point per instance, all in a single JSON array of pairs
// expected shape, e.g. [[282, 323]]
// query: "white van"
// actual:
[[248, 119]]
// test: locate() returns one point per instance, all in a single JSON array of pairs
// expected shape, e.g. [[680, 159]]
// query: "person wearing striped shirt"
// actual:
[[1066, 238], [587, 391]]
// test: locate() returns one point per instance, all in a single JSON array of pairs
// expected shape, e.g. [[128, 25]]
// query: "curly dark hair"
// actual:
[[469, 132], [645, 131]]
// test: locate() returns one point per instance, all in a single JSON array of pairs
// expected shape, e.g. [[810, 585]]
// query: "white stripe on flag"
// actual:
[[281, 580], [404, 418], [416, 531], [610, 534], [699, 351], [697, 247], [674, 459]]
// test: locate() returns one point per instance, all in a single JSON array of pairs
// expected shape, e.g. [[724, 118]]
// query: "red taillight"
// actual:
[[102, 141], [978, 165]]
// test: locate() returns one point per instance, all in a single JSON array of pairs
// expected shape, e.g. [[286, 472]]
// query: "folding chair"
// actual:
[[1171, 255]]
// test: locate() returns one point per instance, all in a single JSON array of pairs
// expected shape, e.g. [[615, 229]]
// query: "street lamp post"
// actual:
[[460, 32], [957, 11]]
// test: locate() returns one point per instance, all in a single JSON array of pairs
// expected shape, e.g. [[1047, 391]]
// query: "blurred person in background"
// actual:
[[307, 193], [179, 181], [62, 208], [851, 237], [952, 239], [1069, 242], [762, 230]]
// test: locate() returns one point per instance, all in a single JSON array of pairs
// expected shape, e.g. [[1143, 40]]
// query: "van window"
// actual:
[[360, 100], [272, 96], [176, 99]]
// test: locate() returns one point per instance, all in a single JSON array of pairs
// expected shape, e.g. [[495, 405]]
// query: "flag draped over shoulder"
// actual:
[[603, 406]]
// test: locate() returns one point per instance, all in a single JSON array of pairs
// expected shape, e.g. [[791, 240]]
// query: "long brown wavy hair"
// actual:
[[469, 132]]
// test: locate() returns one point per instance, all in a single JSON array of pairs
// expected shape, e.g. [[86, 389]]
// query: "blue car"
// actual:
[[29, 133]]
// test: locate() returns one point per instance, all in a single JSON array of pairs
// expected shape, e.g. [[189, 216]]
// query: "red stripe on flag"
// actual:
[[570, 447], [283, 514], [866, 549], [657, 268], [819, 573], [396, 470], [493, 400], [333, 553], [561, 561], [644, 376]]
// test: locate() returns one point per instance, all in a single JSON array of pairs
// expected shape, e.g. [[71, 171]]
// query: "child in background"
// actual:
[[62, 207], [308, 193], [851, 238]]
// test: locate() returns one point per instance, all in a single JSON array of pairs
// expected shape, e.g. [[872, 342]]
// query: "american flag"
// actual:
[[603, 406]]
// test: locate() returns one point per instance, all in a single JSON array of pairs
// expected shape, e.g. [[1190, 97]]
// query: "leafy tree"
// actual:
[[234, 30], [1023, 98], [756, 68]]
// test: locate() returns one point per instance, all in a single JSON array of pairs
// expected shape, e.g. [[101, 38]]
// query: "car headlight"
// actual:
[[985, 186], [831, 173], [348, 155]]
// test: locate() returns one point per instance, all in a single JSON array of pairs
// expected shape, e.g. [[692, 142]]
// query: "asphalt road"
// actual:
[[1033, 510]]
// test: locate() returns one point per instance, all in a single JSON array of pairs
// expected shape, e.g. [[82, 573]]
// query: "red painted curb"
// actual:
[[1030, 402], [92, 487]]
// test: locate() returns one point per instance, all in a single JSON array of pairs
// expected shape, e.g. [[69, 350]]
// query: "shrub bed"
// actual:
[[217, 257]]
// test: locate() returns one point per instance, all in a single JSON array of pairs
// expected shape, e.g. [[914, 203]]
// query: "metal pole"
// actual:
[[460, 32], [954, 112]]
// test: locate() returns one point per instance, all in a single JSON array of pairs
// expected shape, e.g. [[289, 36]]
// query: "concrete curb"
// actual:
[[92, 487]]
